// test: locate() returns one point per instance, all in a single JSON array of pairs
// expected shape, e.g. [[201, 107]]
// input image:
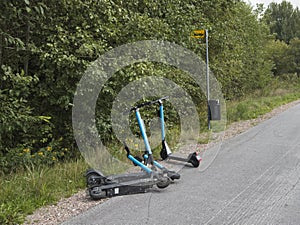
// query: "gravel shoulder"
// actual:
[[80, 202]]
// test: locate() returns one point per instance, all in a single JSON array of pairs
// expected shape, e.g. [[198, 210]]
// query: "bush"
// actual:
[[24, 155]]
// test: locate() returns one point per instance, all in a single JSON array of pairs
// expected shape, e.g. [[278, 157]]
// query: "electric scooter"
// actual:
[[166, 153], [148, 157], [100, 186]]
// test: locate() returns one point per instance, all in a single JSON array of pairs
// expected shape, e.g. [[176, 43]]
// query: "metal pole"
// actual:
[[207, 80]]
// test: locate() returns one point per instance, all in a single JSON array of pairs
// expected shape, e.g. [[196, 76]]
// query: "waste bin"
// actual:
[[215, 110]]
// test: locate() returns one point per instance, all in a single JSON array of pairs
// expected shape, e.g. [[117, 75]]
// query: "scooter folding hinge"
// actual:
[[126, 148]]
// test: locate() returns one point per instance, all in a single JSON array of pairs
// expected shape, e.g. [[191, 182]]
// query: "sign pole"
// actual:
[[201, 34], [207, 80]]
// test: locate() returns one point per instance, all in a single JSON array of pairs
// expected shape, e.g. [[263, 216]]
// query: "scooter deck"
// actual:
[[129, 176], [193, 158], [100, 186], [122, 188], [177, 158]]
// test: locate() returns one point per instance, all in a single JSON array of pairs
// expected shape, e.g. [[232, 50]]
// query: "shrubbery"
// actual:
[[46, 46]]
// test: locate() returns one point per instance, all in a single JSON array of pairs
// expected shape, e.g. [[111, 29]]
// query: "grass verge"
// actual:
[[254, 107], [25, 191]]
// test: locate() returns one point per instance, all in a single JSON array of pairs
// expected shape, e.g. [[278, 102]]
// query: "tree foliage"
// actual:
[[283, 20], [294, 52], [45, 46], [278, 54]]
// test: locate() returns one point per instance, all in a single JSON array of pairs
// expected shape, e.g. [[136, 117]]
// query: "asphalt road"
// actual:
[[254, 180]]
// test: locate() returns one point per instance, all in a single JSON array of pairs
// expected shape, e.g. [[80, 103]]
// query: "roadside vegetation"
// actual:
[[25, 190], [45, 46], [261, 102]]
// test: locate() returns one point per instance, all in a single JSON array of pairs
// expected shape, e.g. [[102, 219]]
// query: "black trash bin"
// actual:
[[215, 110]]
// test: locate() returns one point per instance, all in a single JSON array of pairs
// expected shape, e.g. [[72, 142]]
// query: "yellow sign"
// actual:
[[198, 34]]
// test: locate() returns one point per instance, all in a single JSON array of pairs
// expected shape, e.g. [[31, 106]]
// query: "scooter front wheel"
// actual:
[[173, 175], [163, 182], [97, 193]]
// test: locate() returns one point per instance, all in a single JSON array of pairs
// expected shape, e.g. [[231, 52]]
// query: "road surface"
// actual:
[[253, 180]]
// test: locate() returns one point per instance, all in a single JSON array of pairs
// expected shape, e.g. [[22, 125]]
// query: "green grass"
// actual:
[[25, 191], [254, 107]]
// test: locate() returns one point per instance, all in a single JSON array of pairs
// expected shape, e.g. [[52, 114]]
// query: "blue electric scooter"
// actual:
[[100, 186], [166, 153], [148, 157]]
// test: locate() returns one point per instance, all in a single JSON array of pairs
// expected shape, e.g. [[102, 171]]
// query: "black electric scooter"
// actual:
[[100, 186]]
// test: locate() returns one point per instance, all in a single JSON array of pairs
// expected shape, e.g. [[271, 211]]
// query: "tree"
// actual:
[[283, 20], [294, 52], [279, 54], [237, 46], [19, 126]]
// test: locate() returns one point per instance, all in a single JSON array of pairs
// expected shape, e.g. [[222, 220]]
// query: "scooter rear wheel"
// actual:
[[163, 154], [195, 163], [93, 179], [194, 160]]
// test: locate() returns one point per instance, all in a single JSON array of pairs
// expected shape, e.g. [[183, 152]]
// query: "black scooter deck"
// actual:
[[122, 188], [100, 186]]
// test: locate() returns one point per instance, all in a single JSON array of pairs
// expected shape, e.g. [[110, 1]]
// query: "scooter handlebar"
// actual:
[[148, 103]]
